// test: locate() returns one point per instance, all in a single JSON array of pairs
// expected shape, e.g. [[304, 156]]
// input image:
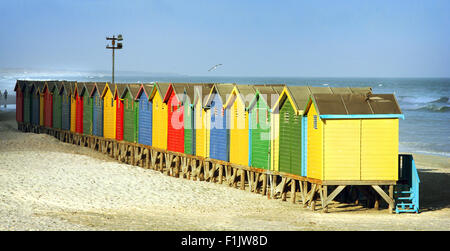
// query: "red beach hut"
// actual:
[[174, 99], [48, 104], [119, 110], [79, 105], [19, 89]]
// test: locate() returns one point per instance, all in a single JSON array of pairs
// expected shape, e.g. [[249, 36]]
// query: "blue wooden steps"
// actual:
[[407, 192]]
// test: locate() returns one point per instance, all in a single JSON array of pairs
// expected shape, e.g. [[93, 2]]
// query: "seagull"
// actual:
[[214, 67]]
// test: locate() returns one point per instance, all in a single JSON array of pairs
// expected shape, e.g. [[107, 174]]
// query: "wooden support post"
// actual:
[[388, 198], [264, 184], [220, 167], [293, 190], [242, 179], [324, 199], [391, 195]]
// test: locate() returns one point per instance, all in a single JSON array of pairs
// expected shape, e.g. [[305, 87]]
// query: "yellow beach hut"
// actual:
[[237, 104], [352, 137], [73, 106], [160, 115], [202, 121], [109, 111], [288, 128]]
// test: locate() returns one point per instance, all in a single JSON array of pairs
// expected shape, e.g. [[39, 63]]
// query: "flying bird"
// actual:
[[214, 67]]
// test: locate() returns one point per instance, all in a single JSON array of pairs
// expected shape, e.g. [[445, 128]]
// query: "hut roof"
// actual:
[[20, 84], [119, 88], [99, 86], [242, 92], [162, 89], [178, 88], [132, 88], [201, 91], [219, 89], [87, 87], [39, 86], [355, 104], [189, 94], [300, 94], [145, 88], [269, 93]]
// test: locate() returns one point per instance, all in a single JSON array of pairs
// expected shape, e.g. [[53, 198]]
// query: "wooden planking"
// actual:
[[379, 149], [314, 145], [342, 146]]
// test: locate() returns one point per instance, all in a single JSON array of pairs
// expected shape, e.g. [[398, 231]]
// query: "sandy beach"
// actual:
[[49, 185]]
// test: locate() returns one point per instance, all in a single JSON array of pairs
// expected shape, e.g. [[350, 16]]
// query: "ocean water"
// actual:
[[424, 102]]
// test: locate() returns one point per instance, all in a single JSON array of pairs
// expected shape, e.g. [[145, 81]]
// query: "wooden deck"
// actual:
[[275, 185]]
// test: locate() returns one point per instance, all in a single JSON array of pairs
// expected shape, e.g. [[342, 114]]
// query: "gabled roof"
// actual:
[[219, 89], [179, 89], [99, 87], [190, 93], [39, 85], [244, 92], [161, 88], [299, 95], [20, 84], [53, 86], [200, 92], [145, 89], [119, 89], [268, 93], [132, 88], [354, 104], [109, 86], [87, 87]]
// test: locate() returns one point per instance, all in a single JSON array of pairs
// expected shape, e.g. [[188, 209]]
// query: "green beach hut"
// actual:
[[130, 112]]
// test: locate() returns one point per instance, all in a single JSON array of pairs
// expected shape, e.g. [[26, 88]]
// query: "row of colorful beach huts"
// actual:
[[323, 133]]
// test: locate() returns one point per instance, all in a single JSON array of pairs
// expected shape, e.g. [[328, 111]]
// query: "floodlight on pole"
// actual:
[[113, 47]]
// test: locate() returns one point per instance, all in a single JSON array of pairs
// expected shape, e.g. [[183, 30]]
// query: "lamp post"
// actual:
[[113, 47]]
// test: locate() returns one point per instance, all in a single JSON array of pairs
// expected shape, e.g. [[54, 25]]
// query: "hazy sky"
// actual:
[[249, 37]]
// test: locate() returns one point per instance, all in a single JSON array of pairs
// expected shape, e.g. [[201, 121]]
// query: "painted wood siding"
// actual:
[[342, 147], [239, 133], [379, 149], [41, 109], [109, 115], [35, 107], [19, 105], [175, 125], [66, 119], [97, 116], [290, 140], [73, 113], [275, 142], [130, 119], [79, 114], [57, 109], [260, 135], [87, 114], [48, 108], [314, 145], [201, 131], [119, 118], [145, 120], [160, 118], [219, 140], [189, 143], [27, 106]]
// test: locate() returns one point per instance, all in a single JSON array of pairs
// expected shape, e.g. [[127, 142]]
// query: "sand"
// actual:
[[49, 185]]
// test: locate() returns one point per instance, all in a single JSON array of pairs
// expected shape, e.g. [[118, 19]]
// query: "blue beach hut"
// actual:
[[97, 109], [65, 93], [219, 133], [145, 114]]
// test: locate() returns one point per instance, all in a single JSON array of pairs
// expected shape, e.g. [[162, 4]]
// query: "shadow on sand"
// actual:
[[434, 193]]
